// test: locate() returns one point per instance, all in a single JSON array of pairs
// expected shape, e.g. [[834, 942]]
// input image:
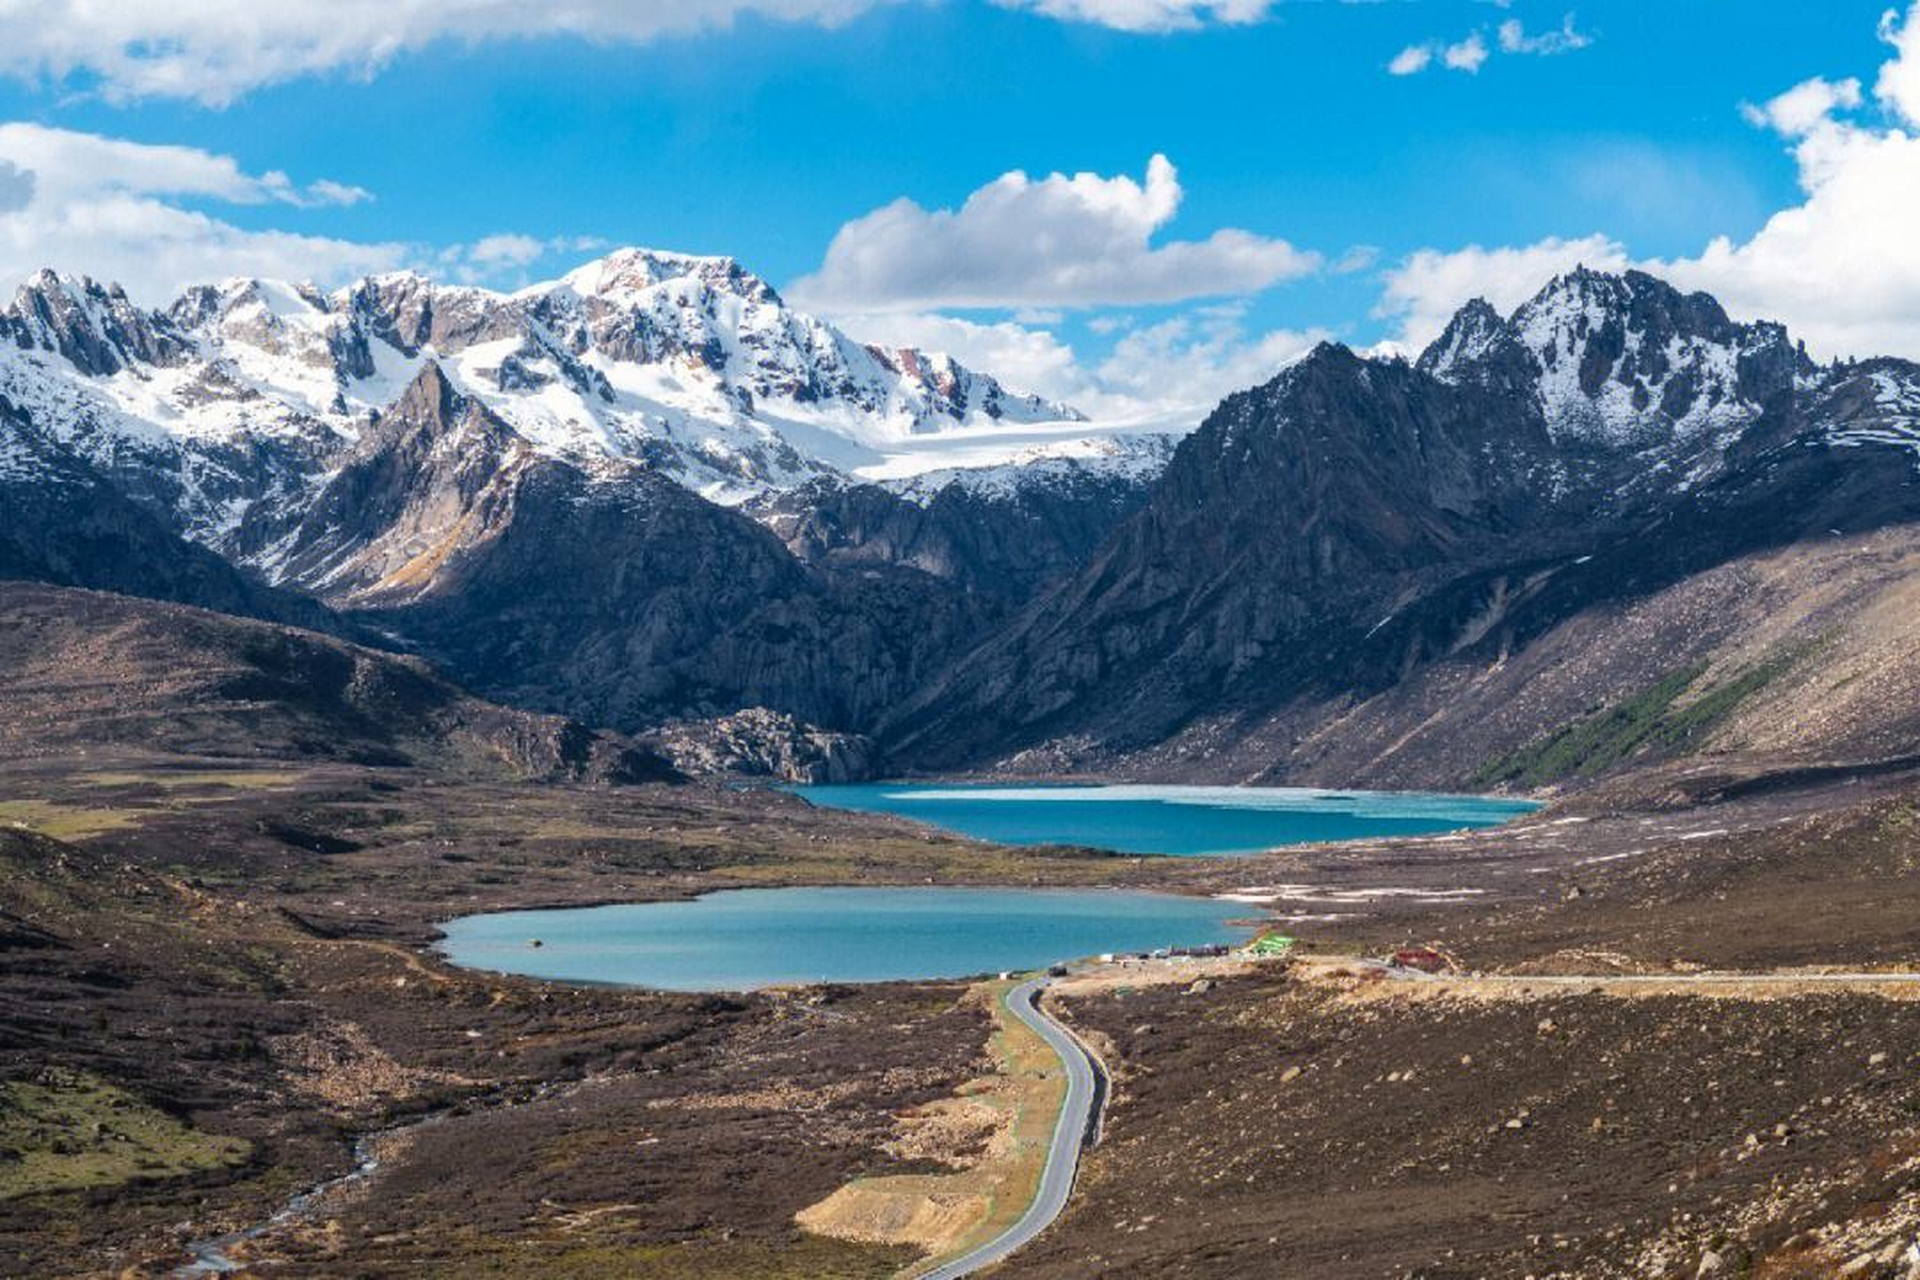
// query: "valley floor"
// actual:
[[215, 973]]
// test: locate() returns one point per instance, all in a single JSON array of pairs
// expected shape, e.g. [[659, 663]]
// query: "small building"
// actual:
[[1272, 946]]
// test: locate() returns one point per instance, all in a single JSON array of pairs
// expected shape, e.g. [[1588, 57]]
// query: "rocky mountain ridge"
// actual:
[[692, 365], [1329, 549], [404, 451]]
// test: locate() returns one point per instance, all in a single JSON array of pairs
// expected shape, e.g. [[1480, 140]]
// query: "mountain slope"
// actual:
[[1341, 544], [1000, 531], [514, 486], [514, 483], [92, 670], [62, 523], [598, 588]]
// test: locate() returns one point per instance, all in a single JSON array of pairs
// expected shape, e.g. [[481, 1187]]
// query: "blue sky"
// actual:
[[765, 138]]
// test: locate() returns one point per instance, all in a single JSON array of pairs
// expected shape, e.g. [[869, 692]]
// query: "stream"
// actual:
[[211, 1256]]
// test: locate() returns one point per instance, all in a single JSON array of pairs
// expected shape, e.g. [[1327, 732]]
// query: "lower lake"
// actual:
[[1191, 821], [741, 939]]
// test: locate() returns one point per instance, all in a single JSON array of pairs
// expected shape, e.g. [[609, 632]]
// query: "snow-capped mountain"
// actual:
[[694, 366], [1623, 361], [576, 494], [649, 490], [1642, 389], [1327, 541], [1874, 402]]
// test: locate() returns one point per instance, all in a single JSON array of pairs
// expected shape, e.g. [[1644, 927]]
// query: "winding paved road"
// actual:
[[1069, 1135]]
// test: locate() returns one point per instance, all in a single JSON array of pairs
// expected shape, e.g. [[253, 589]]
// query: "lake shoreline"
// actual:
[[747, 939], [1166, 821]]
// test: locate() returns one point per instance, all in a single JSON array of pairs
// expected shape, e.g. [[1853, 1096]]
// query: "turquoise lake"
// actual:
[[746, 938], [1185, 821]]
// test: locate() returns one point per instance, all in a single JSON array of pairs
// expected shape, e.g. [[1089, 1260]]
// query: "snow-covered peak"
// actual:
[[1474, 329], [274, 315], [624, 274], [94, 326], [1622, 361], [691, 365]]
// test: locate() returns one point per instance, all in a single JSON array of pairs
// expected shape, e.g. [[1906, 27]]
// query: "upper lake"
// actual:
[[1189, 821], [745, 938]]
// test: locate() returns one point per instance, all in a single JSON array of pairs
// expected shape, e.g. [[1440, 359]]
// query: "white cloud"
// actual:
[[1148, 15], [217, 50], [1166, 375], [502, 260], [127, 212], [1411, 60], [1185, 365], [1023, 356], [1899, 84], [1426, 289], [327, 191], [66, 161], [1514, 39], [1465, 55], [1057, 241], [1359, 258], [1841, 267], [16, 186], [507, 249], [116, 210], [1469, 53], [1805, 106]]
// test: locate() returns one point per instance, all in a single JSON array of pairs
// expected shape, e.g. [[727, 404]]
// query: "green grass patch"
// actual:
[[1655, 721], [66, 821], [232, 779], [70, 1131]]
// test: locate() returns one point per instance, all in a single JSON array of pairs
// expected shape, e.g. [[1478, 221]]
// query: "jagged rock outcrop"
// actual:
[[425, 477], [757, 743], [94, 326]]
